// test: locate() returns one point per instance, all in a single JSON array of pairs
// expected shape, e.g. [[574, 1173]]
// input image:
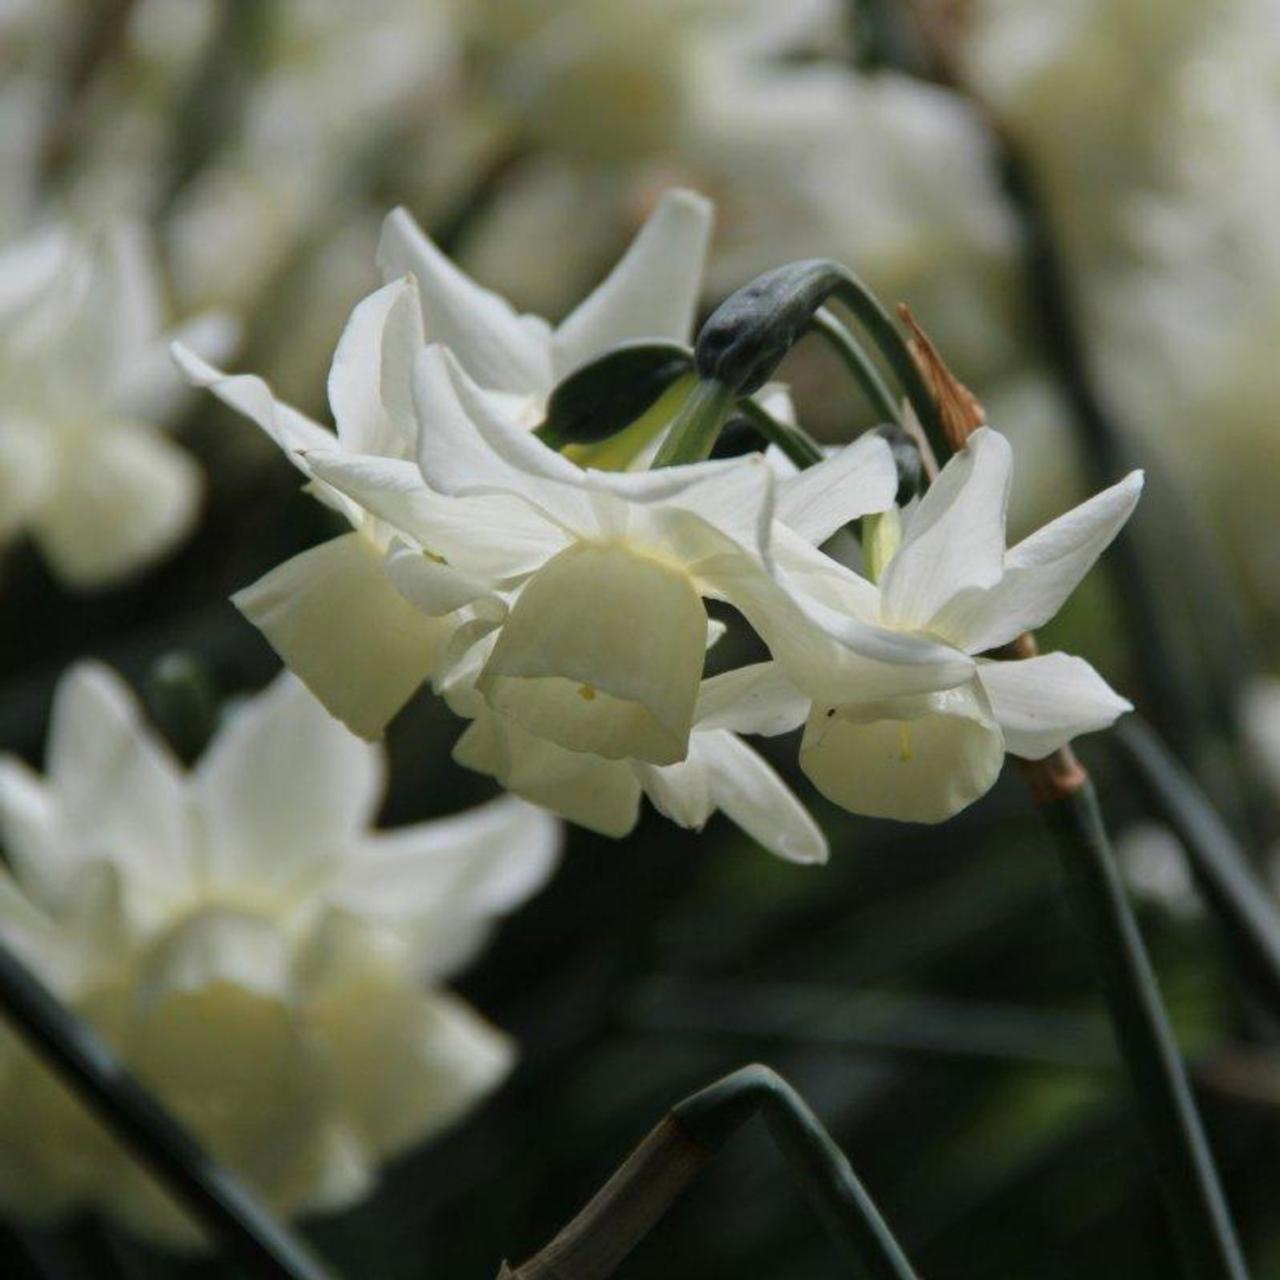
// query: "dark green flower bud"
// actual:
[[605, 395], [747, 336]]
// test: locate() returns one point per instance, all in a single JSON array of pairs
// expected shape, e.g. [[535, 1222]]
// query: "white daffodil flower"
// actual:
[[333, 613], [652, 292], [944, 572], [85, 385], [602, 650], [256, 955], [339, 614]]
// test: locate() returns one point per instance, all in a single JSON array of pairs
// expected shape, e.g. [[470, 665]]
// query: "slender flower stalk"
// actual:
[[1184, 1165], [658, 1171], [223, 1205], [858, 363], [1220, 867], [692, 435], [1066, 798]]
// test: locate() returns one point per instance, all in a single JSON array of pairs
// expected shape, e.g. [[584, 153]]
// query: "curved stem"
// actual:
[[595, 1243], [794, 441], [857, 362], [880, 328]]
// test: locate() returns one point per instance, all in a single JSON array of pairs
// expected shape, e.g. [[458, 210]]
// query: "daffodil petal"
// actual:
[[370, 378], [748, 791], [602, 652], [129, 498], [923, 762], [956, 538], [652, 292], [500, 349], [284, 788], [338, 622], [1040, 572], [1041, 703], [860, 479], [753, 699]]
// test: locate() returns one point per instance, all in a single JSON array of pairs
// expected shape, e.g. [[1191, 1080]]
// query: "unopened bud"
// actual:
[[610, 392], [747, 336]]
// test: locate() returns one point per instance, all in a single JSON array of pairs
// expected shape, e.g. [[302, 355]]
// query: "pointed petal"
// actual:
[[370, 391], [501, 350], [251, 396], [122, 792], [653, 291], [125, 499], [860, 479], [828, 654], [681, 791], [753, 699], [955, 541], [463, 869], [404, 1064], [917, 759], [747, 790], [284, 790], [1040, 572], [33, 833], [431, 585], [338, 622], [1042, 703]]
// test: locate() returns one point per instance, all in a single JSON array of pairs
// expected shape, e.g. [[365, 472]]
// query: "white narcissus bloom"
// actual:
[[945, 573], [651, 293], [602, 650], [260, 958], [85, 385], [335, 614]]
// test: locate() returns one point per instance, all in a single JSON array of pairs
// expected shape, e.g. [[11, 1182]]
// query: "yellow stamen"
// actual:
[[587, 692], [904, 737]]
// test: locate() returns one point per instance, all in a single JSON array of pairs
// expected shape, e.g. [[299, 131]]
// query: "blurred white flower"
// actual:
[[257, 955], [944, 573], [1155, 867], [85, 383]]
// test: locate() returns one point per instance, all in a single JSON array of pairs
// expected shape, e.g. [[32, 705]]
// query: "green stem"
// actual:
[[693, 433], [1220, 866], [661, 1168], [794, 441], [1184, 1167], [218, 1201], [881, 329], [858, 363], [850, 1216]]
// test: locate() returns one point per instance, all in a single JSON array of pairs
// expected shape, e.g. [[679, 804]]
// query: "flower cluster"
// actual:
[[261, 960], [561, 608]]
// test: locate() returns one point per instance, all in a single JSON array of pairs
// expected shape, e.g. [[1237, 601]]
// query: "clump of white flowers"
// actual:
[[86, 389], [261, 959], [557, 597]]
